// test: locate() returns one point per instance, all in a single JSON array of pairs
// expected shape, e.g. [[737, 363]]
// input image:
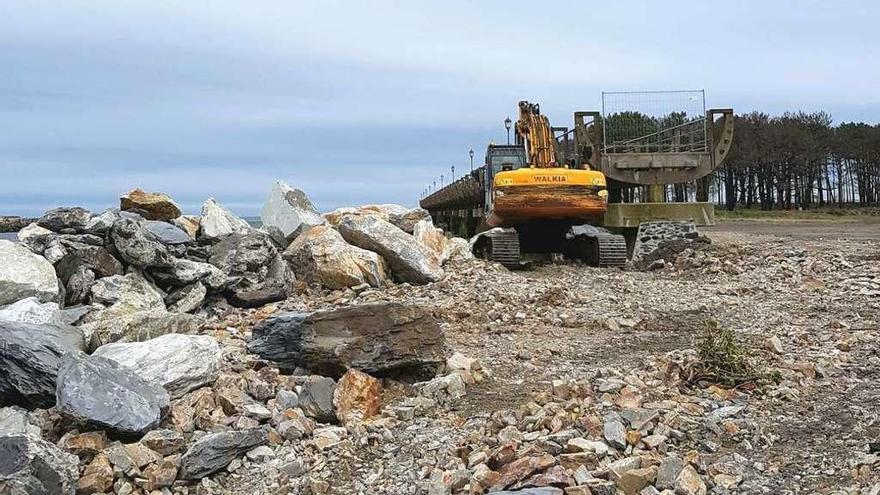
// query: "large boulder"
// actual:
[[409, 260], [179, 363], [138, 246], [372, 266], [381, 339], [31, 310], [287, 213], [214, 451], [131, 289], [36, 238], [32, 466], [217, 222], [30, 356], [25, 274], [101, 224], [150, 205], [136, 312], [13, 223], [321, 255], [431, 237], [185, 272], [65, 220], [406, 218], [259, 274], [106, 394]]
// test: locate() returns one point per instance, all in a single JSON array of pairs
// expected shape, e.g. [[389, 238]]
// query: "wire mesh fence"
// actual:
[[654, 121]]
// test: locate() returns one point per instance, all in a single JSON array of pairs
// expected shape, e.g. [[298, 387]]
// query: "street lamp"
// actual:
[[453, 175], [507, 123], [471, 154], [441, 180]]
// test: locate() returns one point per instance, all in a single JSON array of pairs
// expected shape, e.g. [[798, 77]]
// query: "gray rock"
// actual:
[[30, 356], [15, 421], [122, 323], [103, 393], [36, 238], [32, 466], [65, 220], [137, 246], [668, 471], [217, 222], [614, 431], [76, 277], [101, 224], [187, 299], [25, 274], [179, 363], [31, 310], [167, 233], [316, 398], [379, 339], [259, 272], [287, 213], [214, 451], [131, 289], [285, 399], [185, 272], [409, 260]]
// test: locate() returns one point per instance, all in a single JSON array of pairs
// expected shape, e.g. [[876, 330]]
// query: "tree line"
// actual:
[[799, 160]]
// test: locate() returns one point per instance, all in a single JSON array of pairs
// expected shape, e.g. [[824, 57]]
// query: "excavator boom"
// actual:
[[534, 130]]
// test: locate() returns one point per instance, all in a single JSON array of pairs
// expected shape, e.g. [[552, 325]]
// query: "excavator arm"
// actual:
[[537, 136]]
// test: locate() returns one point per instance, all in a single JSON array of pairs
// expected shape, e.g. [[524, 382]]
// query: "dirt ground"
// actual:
[[847, 228]]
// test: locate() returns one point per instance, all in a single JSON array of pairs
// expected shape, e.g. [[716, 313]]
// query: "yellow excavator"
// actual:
[[549, 192]]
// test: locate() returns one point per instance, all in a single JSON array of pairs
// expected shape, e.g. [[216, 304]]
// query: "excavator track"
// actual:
[[503, 247], [611, 250]]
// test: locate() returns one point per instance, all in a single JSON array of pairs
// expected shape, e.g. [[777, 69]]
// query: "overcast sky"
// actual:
[[368, 101]]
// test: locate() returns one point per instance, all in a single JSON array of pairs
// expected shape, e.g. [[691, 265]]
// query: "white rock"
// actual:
[[287, 213], [409, 260], [179, 363], [25, 274], [217, 221], [36, 238], [31, 310], [431, 237]]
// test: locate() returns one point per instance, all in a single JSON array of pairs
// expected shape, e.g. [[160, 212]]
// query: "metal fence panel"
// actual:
[[654, 121]]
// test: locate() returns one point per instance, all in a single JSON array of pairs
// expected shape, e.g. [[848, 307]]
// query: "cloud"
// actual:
[[369, 101]]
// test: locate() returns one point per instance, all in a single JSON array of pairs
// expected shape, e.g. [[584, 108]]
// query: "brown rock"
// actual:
[[84, 445], [358, 396], [577, 459], [188, 224], [521, 469], [632, 481], [162, 474], [555, 476], [97, 477], [689, 482], [141, 455], [165, 442], [152, 206]]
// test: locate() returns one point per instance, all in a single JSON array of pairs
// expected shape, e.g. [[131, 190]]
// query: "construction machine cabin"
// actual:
[[564, 189]]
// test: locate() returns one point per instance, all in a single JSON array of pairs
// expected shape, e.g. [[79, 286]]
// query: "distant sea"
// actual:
[[9, 236]]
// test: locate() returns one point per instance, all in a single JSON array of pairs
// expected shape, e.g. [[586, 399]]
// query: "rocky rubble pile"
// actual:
[[103, 338]]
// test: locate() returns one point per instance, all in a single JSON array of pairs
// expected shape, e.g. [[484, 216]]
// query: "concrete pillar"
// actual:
[[657, 193]]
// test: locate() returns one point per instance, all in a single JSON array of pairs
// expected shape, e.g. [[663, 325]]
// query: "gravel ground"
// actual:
[[810, 431]]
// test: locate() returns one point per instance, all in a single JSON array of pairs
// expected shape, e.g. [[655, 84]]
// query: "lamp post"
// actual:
[[441, 180], [507, 123], [435, 185], [471, 154], [453, 175]]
